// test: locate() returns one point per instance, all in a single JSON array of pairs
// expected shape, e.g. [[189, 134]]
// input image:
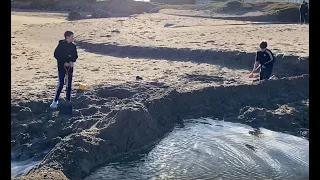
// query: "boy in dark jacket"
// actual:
[[264, 59], [66, 54]]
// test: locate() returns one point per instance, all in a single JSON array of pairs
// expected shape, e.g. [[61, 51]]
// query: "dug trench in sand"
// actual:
[[118, 114]]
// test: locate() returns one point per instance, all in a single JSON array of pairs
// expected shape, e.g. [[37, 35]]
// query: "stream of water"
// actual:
[[209, 149]]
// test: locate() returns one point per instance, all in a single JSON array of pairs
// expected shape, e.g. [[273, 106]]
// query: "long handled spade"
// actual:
[[67, 68], [68, 106], [251, 74]]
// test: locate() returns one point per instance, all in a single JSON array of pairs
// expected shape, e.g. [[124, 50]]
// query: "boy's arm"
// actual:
[[75, 55], [59, 54], [256, 63]]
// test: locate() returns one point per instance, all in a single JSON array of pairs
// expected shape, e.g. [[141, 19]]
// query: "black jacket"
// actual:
[[303, 9], [65, 52], [265, 58]]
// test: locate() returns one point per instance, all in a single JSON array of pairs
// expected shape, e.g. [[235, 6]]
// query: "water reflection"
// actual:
[[209, 149]]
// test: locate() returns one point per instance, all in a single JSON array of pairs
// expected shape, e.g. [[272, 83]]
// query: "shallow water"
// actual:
[[209, 149]]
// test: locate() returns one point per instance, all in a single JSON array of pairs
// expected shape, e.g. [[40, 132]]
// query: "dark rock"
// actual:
[[255, 132], [73, 15], [250, 147], [168, 25], [115, 31], [138, 78]]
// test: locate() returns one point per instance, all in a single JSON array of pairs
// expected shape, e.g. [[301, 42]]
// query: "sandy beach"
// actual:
[[190, 67], [35, 36]]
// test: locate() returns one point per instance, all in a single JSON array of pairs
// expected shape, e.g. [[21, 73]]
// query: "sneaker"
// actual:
[[54, 105]]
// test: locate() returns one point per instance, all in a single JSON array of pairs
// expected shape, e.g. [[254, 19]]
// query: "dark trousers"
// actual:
[[265, 73], [61, 77], [303, 17]]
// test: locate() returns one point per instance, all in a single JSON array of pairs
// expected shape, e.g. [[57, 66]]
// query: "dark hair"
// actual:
[[68, 34], [263, 44]]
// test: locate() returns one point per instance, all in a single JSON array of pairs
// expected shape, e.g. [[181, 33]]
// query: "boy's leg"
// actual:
[[268, 72], [61, 76], [262, 73], [305, 18], [301, 18], [68, 94]]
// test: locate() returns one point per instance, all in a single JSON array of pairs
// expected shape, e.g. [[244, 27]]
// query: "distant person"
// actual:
[[303, 12], [307, 14], [66, 55], [264, 60]]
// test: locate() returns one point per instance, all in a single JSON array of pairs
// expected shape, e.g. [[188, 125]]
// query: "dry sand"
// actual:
[[36, 34]]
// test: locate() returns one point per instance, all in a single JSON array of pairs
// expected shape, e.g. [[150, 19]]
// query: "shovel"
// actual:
[[66, 107], [251, 74], [67, 68]]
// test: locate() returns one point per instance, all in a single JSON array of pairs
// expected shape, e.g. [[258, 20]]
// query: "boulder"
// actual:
[[74, 15]]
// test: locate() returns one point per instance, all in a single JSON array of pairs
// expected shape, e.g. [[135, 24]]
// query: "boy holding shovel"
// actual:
[[66, 54], [264, 60]]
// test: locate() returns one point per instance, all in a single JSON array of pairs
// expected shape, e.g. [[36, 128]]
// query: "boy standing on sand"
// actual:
[[264, 60], [66, 54]]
